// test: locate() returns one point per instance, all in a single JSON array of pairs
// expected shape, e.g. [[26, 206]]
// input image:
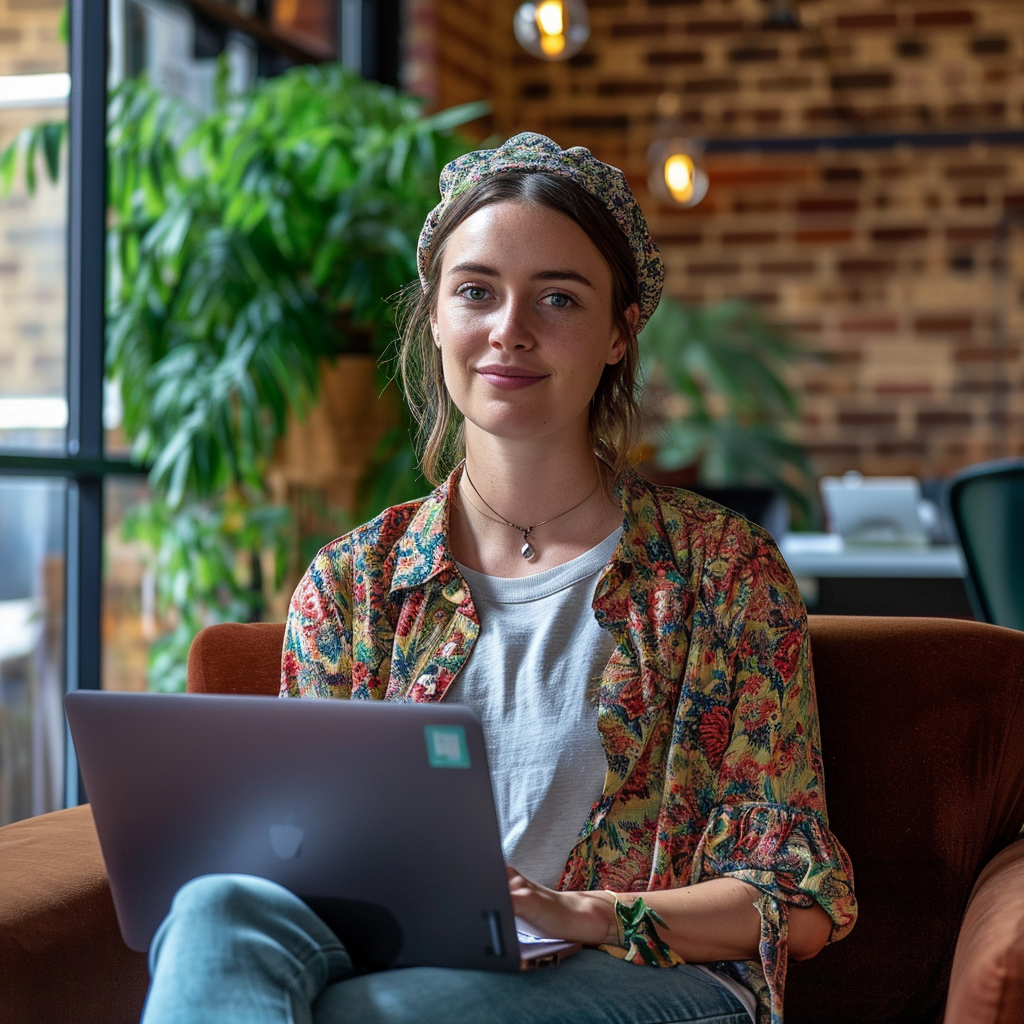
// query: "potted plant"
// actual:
[[247, 249], [719, 410]]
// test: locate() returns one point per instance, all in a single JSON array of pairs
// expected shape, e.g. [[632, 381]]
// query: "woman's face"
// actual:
[[524, 321]]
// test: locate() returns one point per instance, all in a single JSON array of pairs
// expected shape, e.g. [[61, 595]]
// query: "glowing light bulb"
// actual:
[[674, 174], [552, 29], [552, 45], [551, 24], [679, 177], [550, 18]]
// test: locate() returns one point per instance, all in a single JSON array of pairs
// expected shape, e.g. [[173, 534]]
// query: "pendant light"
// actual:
[[675, 171], [552, 29]]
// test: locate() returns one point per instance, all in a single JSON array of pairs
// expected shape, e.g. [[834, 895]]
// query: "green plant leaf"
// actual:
[[722, 369], [52, 139], [454, 117], [32, 139], [8, 168], [245, 246]]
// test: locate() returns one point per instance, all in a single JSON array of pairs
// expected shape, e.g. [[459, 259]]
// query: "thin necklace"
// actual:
[[527, 549]]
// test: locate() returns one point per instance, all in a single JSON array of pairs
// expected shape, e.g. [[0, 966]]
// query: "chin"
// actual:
[[522, 422]]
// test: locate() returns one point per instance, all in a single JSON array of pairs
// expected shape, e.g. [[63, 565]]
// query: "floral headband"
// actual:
[[531, 152]]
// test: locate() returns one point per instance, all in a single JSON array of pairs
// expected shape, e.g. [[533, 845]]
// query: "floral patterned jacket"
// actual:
[[707, 710]]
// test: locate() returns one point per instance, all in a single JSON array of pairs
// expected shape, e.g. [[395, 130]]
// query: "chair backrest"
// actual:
[[987, 506], [922, 724], [922, 728], [236, 657]]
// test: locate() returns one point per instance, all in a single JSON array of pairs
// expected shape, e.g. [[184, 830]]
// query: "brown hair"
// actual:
[[614, 409]]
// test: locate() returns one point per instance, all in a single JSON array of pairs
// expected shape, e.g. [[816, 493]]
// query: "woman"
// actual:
[[638, 655]]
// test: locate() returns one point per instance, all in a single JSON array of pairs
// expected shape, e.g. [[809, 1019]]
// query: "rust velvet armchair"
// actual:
[[923, 737]]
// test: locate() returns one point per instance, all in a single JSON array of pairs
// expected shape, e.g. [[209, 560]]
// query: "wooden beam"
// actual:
[[304, 51]]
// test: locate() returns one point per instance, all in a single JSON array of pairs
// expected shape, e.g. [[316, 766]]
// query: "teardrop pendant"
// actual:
[[527, 551]]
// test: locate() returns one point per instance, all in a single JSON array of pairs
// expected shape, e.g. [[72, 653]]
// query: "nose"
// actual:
[[510, 328]]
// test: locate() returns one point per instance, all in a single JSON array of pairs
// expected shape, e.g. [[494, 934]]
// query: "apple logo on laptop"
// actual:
[[286, 840]]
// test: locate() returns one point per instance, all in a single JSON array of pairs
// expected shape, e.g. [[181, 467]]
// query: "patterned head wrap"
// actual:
[[530, 152]]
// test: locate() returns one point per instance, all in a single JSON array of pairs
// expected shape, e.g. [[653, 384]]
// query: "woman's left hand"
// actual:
[[586, 917]]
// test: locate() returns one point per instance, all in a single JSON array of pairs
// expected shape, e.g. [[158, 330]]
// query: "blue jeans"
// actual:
[[235, 948]]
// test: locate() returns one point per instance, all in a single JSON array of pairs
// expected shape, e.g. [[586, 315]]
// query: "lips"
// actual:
[[509, 378]]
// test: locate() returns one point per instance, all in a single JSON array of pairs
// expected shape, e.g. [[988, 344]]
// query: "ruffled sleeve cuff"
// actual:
[[790, 855]]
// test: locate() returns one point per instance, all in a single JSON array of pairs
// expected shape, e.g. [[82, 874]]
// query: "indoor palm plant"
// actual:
[[245, 248], [717, 400]]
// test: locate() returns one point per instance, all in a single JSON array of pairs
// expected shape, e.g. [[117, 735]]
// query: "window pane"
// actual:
[[31, 647], [33, 89], [129, 616], [179, 54]]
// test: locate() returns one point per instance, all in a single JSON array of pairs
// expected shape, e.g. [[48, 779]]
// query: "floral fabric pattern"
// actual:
[[706, 709]]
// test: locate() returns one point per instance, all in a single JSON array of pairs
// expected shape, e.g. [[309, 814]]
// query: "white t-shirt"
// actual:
[[532, 680]]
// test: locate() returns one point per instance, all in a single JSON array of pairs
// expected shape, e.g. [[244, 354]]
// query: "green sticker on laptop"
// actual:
[[446, 746]]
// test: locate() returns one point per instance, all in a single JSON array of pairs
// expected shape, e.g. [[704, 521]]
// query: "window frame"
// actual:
[[83, 464]]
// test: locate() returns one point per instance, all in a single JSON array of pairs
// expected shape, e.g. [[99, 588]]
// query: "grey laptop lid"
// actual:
[[379, 815]]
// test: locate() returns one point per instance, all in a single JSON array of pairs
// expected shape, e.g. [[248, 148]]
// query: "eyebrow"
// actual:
[[544, 275]]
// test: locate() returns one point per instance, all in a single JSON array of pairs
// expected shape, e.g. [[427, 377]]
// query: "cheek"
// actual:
[[455, 346], [591, 358], [446, 363], [453, 372], [583, 375], [457, 328]]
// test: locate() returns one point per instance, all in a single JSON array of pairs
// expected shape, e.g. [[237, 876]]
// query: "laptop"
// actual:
[[379, 815]]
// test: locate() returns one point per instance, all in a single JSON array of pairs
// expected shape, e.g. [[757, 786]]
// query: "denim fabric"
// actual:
[[235, 948]]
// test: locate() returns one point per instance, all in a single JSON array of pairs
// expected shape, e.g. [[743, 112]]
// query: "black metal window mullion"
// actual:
[[87, 203], [82, 464], [369, 33]]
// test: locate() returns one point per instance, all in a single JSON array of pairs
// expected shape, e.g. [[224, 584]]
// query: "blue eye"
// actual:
[[474, 292], [558, 300]]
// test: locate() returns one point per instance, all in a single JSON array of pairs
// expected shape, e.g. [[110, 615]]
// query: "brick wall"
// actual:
[[28, 37], [32, 280], [470, 53], [886, 260], [32, 229]]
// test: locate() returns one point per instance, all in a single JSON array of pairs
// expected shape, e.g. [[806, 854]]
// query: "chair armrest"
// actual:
[[987, 983], [62, 953]]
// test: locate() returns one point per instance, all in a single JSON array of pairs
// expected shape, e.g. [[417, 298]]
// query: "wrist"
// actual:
[[603, 923]]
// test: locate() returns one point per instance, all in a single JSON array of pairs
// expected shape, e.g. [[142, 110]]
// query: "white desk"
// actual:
[[825, 554], [856, 579]]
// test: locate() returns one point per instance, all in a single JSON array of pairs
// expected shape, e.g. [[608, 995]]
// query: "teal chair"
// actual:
[[986, 503]]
